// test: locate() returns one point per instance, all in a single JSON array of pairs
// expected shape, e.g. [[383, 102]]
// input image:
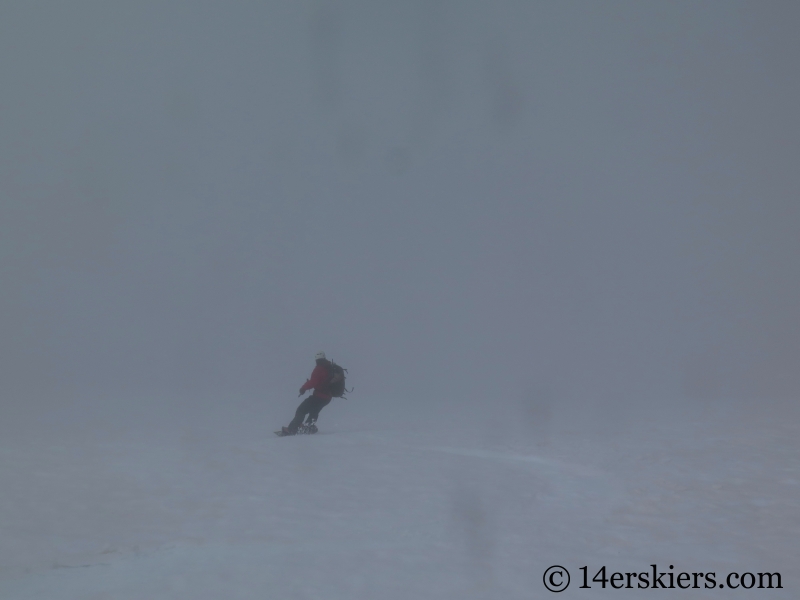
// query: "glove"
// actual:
[[302, 391]]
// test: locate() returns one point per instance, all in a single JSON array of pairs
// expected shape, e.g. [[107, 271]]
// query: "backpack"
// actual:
[[336, 386]]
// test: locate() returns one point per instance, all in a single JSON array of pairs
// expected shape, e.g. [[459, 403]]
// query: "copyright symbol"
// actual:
[[556, 578]]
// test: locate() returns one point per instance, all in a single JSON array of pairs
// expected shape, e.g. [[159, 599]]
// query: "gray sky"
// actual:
[[452, 198]]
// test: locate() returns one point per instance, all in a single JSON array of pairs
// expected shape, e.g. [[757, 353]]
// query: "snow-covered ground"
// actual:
[[394, 500]]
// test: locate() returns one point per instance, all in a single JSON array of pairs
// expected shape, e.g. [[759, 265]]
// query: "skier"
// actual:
[[311, 406]]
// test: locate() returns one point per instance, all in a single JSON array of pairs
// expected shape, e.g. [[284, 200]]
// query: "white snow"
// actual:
[[392, 500]]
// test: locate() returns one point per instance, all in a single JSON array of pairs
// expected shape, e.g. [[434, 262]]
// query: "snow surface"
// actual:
[[152, 500]]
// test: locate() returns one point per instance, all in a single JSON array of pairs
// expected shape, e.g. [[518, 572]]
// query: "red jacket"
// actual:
[[319, 381]]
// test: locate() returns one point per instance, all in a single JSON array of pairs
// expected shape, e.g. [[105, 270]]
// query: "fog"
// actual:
[[463, 201], [555, 244]]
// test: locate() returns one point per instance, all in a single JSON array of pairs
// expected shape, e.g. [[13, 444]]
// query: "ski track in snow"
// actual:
[[359, 512]]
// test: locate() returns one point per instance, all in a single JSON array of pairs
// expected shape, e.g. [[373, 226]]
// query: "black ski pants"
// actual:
[[311, 407]]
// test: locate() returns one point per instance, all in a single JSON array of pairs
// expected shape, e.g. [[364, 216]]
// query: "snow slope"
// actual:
[[392, 501]]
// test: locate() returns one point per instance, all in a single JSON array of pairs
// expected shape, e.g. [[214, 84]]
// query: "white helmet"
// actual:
[[319, 356]]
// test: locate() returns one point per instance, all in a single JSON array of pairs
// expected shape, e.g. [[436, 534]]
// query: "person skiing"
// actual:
[[321, 397]]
